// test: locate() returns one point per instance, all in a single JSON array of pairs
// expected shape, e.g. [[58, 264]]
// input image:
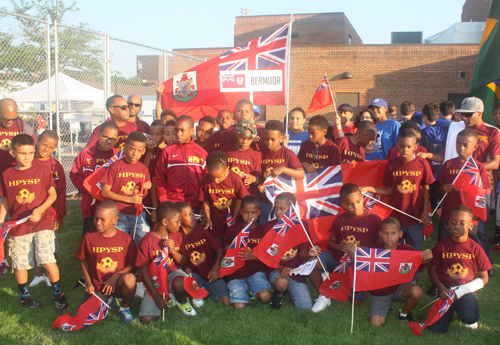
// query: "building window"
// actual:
[[295, 35], [349, 40]]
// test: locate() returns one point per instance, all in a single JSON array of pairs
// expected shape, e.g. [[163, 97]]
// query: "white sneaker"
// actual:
[[172, 301], [140, 290], [186, 308], [37, 280], [321, 303], [471, 326], [198, 303]]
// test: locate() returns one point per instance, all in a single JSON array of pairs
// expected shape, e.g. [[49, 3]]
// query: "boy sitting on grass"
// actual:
[[107, 257]]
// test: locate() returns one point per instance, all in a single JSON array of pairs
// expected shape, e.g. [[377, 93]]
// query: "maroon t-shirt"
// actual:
[[209, 147], [393, 152], [390, 289], [6, 135], [488, 143], [328, 154], [219, 196], [229, 137], [284, 157], [200, 246], [26, 190], [364, 230], [142, 126], [447, 175], [251, 266], [106, 255], [244, 162], [152, 169], [458, 263], [406, 180], [216, 139], [150, 246], [349, 151], [126, 179], [123, 133]]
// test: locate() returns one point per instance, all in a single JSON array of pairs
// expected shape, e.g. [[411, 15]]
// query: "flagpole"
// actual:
[[354, 288], [287, 94], [163, 312], [393, 208], [331, 94], [312, 244], [93, 293]]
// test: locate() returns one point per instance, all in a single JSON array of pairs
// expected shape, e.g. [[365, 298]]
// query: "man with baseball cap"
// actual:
[[343, 124], [387, 129], [488, 153]]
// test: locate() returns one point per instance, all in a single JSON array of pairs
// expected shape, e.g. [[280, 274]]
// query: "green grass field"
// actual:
[[216, 324]]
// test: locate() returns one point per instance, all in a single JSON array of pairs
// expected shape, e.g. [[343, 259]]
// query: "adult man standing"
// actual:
[[135, 104], [387, 129]]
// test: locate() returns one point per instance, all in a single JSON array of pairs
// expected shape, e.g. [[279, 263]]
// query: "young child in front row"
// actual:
[[457, 260], [251, 278], [356, 225], [280, 278], [200, 246], [122, 183], [28, 190], [406, 180], [107, 257], [166, 234], [410, 293]]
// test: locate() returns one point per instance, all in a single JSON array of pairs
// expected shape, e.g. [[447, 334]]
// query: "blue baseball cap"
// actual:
[[256, 109], [379, 102]]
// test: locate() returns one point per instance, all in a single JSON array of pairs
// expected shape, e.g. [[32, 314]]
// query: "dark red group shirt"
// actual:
[[209, 147], [106, 255], [6, 135], [350, 151], [151, 245], [328, 154], [488, 143], [200, 246], [59, 178], [216, 139], [244, 162]]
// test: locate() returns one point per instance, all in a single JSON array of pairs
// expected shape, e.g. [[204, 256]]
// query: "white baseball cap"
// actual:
[[471, 105]]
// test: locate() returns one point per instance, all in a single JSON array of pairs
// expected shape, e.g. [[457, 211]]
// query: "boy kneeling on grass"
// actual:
[[107, 257]]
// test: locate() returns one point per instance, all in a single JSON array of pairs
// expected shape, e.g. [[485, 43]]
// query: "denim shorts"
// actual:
[[126, 223], [216, 289], [239, 289], [328, 260], [299, 292]]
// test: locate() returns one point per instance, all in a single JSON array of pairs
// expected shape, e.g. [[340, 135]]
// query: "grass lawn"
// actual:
[[216, 324]]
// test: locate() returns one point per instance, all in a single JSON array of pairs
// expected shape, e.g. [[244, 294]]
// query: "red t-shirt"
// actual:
[[216, 139], [349, 129], [209, 147], [328, 154], [364, 230], [349, 151], [244, 162], [284, 157], [447, 175], [151, 245], [26, 190], [142, 126], [152, 169], [390, 289], [59, 178], [406, 180], [200, 246], [251, 266], [393, 152], [6, 135], [125, 179], [458, 263], [123, 133], [220, 195], [106, 255], [488, 143]]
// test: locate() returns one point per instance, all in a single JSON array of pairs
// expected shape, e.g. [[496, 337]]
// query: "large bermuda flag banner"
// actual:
[[259, 67], [318, 193]]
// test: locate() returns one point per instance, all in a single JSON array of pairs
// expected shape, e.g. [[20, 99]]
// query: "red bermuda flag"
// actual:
[[438, 309], [93, 183], [159, 273], [322, 97], [193, 289], [197, 91], [232, 262], [376, 269], [379, 209], [286, 234], [90, 312], [469, 180]]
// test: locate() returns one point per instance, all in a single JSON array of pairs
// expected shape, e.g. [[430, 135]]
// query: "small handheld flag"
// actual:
[[232, 261], [193, 289], [229, 218], [438, 309], [89, 313], [93, 183], [322, 97]]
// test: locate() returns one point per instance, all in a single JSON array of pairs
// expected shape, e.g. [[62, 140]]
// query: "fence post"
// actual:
[[49, 108], [56, 83], [108, 72], [104, 76], [164, 67]]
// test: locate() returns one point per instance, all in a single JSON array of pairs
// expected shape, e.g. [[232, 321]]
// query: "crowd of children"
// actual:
[[167, 179]]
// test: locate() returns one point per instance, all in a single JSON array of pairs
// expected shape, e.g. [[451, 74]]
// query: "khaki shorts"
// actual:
[[23, 249]]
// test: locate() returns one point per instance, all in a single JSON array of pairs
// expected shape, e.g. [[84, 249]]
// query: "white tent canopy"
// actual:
[[470, 32]]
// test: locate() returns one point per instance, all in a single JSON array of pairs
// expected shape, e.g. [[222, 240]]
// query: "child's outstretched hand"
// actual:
[[36, 215], [277, 171], [90, 289], [308, 167], [148, 185], [249, 179], [159, 89], [208, 223], [247, 254], [427, 255]]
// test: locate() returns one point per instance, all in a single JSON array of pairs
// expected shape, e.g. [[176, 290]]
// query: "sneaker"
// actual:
[[198, 303], [140, 290], [4, 267], [30, 303], [471, 326], [37, 280], [60, 302], [172, 302], [490, 272], [432, 291], [186, 308], [276, 300], [321, 303], [114, 302], [126, 315], [408, 317]]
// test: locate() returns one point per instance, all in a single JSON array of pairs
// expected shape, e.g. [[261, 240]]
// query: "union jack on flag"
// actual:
[[471, 169], [229, 218], [325, 84], [289, 219], [451, 297], [228, 77], [7, 226], [100, 314], [241, 241], [373, 260], [162, 258], [345, 262]]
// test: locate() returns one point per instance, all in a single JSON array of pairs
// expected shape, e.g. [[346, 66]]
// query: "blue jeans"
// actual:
[[265, 210], [328, 261], [239, 289], [467, 309], [299, 292], [126, 223], [216, 289], [414, 235]]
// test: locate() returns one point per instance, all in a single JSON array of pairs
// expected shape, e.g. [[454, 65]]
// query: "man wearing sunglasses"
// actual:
[[488, 153], [135, 106]]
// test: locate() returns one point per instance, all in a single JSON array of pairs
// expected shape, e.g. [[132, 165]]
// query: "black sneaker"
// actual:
[[490, 272], [30, 303], [276, 300], [432, 292], [408, 317], [60, 302]]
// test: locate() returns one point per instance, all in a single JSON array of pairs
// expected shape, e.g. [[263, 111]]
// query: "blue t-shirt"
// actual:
[[296, 139], [373, 155], [387, 136]]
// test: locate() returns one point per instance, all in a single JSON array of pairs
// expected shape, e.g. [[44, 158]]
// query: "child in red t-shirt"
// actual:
[[28, 190], [165, 235], [200, 246], [225, 119], [107, 257], [457, 261], [356, 225], [415, 127], [204, 132], [318, 152], [126, 182], [251, 278], [351, 147], [406, 180], [221, 191], [410, 293]]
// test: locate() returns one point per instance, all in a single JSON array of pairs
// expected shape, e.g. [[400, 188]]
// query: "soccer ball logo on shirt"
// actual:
[[351, 239], [406, 187], [107, 265], [457, 271], [25, 197], [289, 255], [130, 188], [237, 170], [5, 145], [198, 258], [223, 203]]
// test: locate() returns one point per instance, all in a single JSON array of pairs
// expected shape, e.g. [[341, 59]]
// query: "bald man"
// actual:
[[135, 104]]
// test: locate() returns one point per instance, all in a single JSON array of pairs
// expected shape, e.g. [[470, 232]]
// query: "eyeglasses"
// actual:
[[316, 154], [468, 115], [9, 120], [112, 140], [122, 107], [137, 105]]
